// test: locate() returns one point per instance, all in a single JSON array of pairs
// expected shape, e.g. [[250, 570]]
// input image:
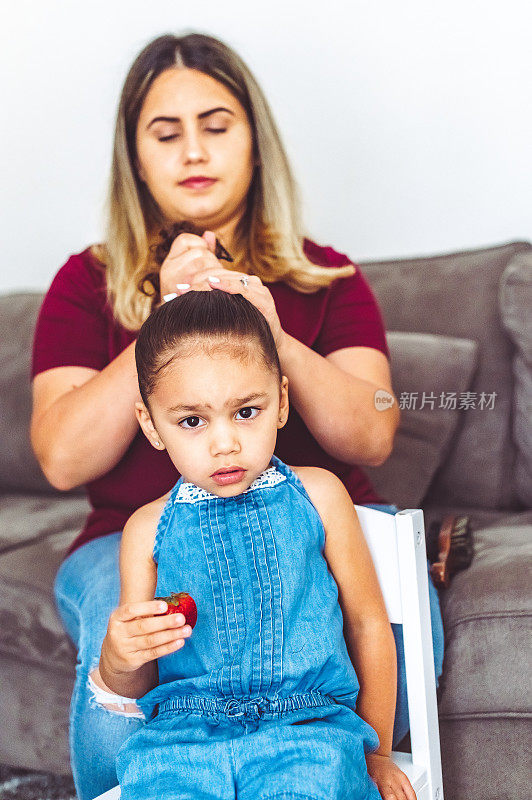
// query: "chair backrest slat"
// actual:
[[397, 545], [381, 536]]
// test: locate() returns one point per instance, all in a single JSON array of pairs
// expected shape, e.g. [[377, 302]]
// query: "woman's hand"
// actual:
[[189, 255], [230, 281], [138, 633], [391, 782]]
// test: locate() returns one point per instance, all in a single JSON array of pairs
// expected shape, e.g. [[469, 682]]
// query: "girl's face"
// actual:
[[191, 126], [217, 412]]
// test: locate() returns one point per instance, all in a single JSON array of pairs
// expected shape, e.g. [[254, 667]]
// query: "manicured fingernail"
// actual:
[[213, 279], [183, 286], [162, 606], [167, 297]]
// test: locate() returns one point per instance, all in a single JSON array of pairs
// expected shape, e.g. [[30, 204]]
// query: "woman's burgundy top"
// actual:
[[76, 327]]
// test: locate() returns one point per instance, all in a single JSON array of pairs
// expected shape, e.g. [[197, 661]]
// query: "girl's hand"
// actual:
[[137, 633], [230, 281], [391, 782], [189, 254]]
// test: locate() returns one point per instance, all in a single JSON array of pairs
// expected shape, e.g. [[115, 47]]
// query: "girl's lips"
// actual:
[[226, 478]]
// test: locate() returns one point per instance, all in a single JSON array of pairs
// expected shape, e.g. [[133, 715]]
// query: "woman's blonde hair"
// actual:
[[269, 242]]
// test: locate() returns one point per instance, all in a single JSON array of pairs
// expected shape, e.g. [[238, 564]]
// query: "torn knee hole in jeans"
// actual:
[[114, 703]]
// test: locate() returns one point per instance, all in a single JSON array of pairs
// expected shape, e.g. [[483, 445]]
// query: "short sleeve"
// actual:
[[352, 317], [71, 328]]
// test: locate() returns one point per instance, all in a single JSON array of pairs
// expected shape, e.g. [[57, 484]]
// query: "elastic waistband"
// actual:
[[251, 707]]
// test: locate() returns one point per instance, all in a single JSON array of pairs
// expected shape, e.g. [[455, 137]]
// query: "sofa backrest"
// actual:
[[19, 469], [457, 295]]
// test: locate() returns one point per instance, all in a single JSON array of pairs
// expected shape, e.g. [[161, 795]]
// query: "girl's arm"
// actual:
[[367, 630], [138, 633]]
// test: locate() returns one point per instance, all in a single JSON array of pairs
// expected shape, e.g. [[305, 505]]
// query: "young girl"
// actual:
[[261, 699]]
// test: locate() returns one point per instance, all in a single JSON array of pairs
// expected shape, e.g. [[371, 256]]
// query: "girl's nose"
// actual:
[[224, 441]]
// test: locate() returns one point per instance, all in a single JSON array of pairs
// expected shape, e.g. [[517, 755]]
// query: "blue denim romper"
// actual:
[[260, 702]]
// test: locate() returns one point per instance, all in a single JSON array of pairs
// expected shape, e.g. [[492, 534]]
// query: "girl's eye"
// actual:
[[216, 130], [191, 422], [248, 412], [168, 138]]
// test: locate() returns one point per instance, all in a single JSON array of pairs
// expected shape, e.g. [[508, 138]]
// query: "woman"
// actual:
[[194, 141]]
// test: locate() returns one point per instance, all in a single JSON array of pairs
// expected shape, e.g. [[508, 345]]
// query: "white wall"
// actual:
[[408, 123]]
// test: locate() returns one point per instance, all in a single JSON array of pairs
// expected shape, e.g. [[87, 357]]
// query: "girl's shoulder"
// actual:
[[142, 524], [323, 487]]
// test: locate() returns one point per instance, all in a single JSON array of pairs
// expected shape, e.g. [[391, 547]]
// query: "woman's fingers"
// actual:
[[230, 281], [250, 286], [183, 269], [229, 275], [188, 265], [210, 238], [188, 241]]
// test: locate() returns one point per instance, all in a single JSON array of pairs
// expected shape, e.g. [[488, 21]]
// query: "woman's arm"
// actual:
[[83, 420], [336, 398]]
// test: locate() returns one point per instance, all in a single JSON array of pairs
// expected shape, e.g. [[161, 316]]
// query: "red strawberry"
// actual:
[[182, 603]]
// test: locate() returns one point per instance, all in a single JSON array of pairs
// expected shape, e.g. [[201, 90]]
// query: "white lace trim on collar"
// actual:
[[190, 493]]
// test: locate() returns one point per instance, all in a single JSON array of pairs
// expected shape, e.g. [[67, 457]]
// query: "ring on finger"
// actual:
[[244, 281]]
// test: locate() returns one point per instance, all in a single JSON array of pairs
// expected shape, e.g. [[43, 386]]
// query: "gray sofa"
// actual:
[[461, 344]]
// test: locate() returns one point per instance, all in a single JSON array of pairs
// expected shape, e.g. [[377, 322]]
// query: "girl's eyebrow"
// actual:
[[235, 401], [200, 116]]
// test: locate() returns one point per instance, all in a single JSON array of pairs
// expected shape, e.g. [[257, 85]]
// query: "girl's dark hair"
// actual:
[[195, 315]]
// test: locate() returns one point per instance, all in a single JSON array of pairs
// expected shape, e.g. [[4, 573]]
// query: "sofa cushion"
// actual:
[[516, 312], [426, 369], [27, 517], [38, 730], [30, 629], [457, 295], [487, 614], [484, 759]]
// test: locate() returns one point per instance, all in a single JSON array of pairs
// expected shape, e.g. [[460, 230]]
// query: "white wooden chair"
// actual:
[[397, 545]]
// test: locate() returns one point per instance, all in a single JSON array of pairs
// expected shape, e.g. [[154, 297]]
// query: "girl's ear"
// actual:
[[283, 403], [145, 422]]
